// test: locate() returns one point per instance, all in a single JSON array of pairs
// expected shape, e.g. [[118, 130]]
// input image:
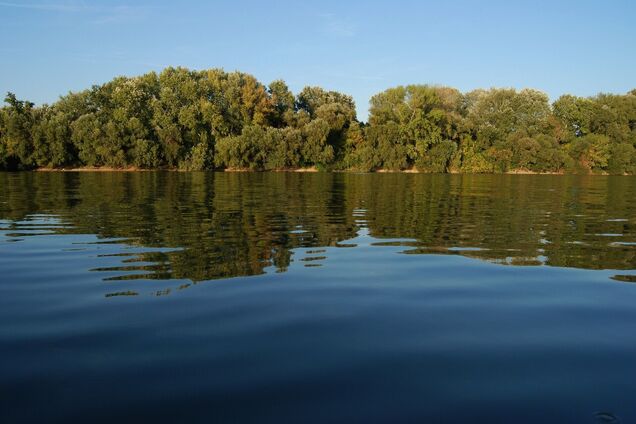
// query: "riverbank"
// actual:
[[93, 169], [303, 170], [312, 169]]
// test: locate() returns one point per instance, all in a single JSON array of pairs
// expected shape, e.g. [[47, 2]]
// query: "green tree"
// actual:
[[315, 150], [591, 152], [17, 127], [199, 120], [283, 104]]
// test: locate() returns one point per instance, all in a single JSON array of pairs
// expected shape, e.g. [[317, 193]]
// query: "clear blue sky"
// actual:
[[358, 47]]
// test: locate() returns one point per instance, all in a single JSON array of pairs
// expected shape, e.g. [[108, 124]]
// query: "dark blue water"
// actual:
[[194, 297]]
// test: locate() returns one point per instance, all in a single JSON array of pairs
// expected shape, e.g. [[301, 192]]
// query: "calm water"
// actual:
[[277, 297]]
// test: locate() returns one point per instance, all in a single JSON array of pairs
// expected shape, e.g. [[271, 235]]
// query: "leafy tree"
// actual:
[[388, 149], [247, 151], [592, 152], [575, 114], [283, 104], [438, 158], [315, 150], [285, 149], [424, 115], [17, 126], [622, 159], [357, 154], [209, 119]]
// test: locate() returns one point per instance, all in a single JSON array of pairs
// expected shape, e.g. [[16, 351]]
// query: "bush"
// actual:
[[199, 158], [438, 158], [591, 152]]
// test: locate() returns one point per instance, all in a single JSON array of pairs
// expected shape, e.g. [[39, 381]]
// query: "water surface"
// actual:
[[278, 297]]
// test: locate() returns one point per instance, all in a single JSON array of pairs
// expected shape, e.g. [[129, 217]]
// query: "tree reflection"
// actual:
[[219, 225]]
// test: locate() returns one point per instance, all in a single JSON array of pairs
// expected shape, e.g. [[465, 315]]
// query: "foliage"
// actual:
[[210, 119]]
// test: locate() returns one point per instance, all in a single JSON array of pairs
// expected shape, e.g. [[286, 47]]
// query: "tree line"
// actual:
[[212, 119]]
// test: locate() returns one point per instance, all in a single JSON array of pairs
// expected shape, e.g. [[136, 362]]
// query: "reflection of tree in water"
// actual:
[[518, 220], [230, 224]]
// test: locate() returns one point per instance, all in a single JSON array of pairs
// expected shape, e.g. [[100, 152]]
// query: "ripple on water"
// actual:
[[380, 297], [606, 418]]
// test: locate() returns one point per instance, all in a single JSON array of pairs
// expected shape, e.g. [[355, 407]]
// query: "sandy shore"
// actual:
[[312, 169], [92, 169]]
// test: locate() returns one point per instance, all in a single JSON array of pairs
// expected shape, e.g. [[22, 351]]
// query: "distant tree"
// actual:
[[17, 126], [315, 150], [591, 152], [283, 104], [200, 120]]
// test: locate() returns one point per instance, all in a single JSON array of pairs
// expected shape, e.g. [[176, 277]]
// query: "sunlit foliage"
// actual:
[[212, 119]]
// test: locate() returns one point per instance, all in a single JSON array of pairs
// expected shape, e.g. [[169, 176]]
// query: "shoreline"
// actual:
[[93, 169], [312, 169]]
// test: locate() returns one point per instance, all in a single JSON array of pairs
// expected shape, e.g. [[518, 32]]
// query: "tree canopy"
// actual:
[[212, 119]]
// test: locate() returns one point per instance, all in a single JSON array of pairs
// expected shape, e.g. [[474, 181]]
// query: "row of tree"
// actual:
[[197, 120]]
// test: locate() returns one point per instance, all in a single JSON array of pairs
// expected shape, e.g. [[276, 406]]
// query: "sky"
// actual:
[[357, 47]]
